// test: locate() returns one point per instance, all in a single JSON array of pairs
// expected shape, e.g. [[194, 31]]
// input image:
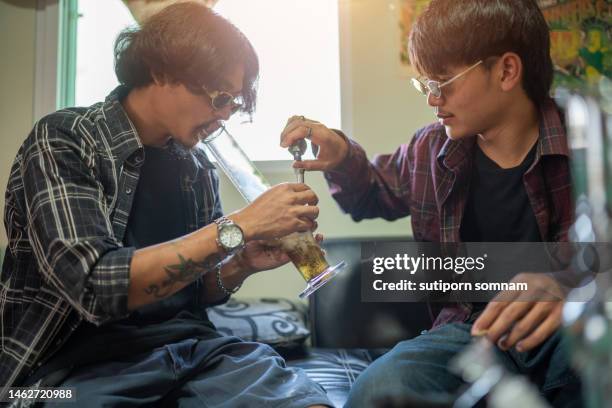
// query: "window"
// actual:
[[298, 48], [99, 24]]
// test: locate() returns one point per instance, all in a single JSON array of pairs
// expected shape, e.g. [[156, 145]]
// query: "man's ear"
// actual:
[[163, 80], [510, 71], [159, 79]]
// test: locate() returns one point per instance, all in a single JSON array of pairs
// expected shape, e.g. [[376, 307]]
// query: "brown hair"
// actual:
[[462, 32], [188, 43]]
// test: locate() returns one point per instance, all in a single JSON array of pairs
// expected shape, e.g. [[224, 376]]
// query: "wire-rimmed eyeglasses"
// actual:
[[435, 87], [221, 99]]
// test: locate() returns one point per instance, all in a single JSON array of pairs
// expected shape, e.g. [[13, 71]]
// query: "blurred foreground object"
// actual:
[[588, 320], [478, 366]]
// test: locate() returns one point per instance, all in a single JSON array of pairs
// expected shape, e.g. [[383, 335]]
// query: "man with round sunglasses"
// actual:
[[494, 168], [118, 242]]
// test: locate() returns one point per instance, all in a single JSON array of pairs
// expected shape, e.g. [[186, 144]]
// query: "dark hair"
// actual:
[[453, 32], [187, 43]]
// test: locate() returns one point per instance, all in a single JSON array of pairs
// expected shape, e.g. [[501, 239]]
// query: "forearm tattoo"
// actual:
[[187, 270]]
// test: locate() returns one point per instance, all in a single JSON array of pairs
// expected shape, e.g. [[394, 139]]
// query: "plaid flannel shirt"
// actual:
[[68, 202], [429, 179]]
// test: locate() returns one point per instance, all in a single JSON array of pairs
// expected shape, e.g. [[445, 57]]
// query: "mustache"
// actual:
[[217, 124], [203, 133]]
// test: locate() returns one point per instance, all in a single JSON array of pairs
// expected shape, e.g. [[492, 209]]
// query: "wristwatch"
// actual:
[[229, 235]]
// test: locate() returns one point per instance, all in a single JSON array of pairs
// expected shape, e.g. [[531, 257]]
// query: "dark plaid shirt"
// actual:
[[68, 201], [428, 179]]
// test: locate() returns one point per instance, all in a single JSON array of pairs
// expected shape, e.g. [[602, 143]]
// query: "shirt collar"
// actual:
[[123, 136], [553, 137]]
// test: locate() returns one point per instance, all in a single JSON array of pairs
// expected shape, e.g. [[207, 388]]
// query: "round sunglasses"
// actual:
[[221, 99]]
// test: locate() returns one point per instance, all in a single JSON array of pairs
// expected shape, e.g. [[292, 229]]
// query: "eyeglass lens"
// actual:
[[221, 100]]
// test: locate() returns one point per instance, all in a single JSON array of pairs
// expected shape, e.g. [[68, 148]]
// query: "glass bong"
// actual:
[[301, 247]]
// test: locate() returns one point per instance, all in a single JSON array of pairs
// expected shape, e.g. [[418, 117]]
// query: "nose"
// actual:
[[434, 101]]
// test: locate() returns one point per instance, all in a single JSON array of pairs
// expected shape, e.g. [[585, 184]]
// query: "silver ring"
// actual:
[[301, 117], [309, 134]]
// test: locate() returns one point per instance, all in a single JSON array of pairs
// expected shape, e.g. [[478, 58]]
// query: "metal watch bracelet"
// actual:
[[221, 286]]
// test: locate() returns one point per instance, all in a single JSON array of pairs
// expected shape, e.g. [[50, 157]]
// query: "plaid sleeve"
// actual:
[[69, 223], [380, 188]]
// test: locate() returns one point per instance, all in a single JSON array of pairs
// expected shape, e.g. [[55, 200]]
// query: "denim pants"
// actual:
[[218, 372], [415, 371]]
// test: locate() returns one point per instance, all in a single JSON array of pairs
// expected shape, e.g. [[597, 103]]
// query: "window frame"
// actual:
[[67, 50]]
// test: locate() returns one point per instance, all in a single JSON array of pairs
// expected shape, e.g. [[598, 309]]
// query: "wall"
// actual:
[[17, 42], [380, 110]]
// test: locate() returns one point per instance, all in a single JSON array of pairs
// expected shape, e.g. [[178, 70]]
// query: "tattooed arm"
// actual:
[[159, 271]]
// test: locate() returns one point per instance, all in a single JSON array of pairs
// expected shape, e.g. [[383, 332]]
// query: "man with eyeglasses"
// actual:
[[494, 168], [118, 242]]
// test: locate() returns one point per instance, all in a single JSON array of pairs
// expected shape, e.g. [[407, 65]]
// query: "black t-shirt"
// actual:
[[498, 208], [158, 213], [157, 216]]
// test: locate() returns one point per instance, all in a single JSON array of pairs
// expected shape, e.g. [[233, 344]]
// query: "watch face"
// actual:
[[230, 236]]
